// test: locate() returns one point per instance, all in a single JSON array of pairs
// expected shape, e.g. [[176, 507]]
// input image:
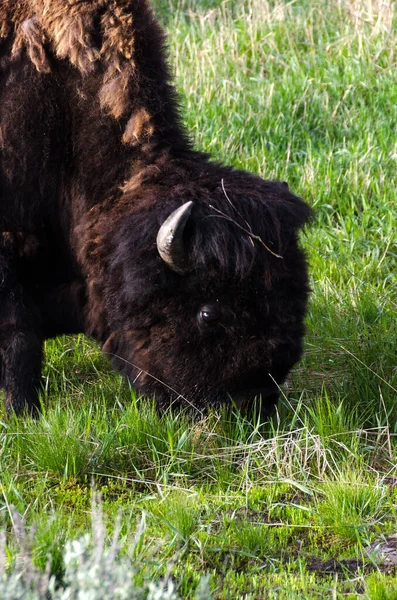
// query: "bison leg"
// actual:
[[23, 327], [62, 308], [21, 348], [21, 355]]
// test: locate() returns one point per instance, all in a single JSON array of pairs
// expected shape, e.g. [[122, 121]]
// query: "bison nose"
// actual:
[[267, 396], [252, 393]]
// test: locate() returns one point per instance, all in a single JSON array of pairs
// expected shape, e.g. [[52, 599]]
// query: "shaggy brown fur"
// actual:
[[69, 29], [93, 159]]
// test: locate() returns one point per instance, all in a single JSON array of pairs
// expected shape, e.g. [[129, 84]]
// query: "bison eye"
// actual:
[[209, 315]]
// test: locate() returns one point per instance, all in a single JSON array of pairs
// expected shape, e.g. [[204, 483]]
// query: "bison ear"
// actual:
[[170, 243], [299, 213]]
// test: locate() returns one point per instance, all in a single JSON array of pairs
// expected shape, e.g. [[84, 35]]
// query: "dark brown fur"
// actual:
[[92, 161]]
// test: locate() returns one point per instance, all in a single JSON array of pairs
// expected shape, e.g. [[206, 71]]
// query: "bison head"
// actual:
[[205, 287]]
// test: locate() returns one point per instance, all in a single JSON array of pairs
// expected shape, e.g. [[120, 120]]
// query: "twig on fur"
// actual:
[[248, 231]]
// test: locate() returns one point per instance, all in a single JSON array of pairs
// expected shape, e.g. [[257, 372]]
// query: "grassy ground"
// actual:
[[306, 92]]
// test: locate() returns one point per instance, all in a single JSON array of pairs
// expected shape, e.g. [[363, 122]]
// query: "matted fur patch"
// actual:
[[139, 128], [69, 28]]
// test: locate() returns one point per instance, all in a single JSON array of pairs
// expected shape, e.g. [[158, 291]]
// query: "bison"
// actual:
[[187, 272]]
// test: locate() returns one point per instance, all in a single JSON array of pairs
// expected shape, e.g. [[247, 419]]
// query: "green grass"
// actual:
[[304, 92]]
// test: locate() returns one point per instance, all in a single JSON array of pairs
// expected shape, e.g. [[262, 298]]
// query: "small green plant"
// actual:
[[379, 589], [351, 505]]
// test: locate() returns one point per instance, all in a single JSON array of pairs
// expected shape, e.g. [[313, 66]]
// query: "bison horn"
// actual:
[[170, 239]]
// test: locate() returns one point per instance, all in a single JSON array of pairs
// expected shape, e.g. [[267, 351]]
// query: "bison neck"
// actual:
[[86, 107]]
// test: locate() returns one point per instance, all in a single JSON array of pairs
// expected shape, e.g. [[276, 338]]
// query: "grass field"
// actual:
[[302, 91]]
